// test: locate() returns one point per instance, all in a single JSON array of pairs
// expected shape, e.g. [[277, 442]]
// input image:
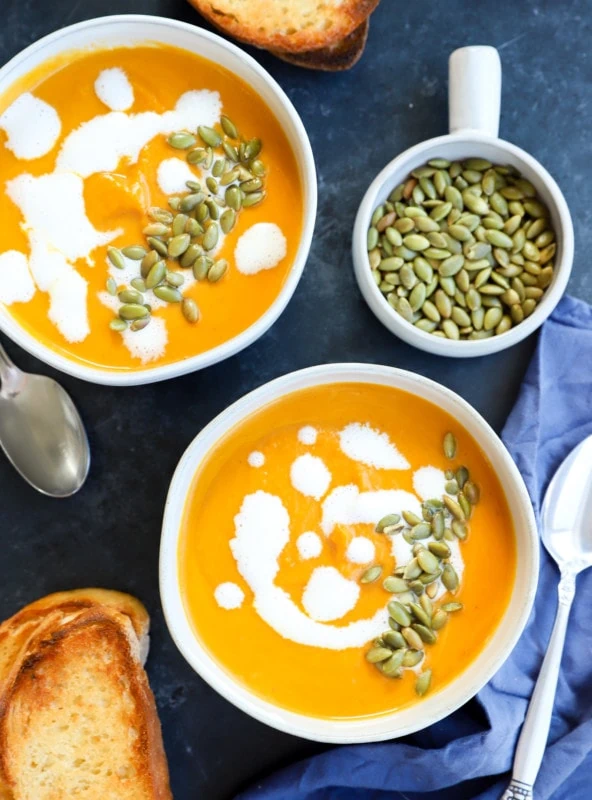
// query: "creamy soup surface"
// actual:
[[86, 153], [279, 535]]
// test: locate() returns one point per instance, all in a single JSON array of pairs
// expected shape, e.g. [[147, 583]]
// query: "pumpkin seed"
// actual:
[[138, 284], [399, 613], [450, 578], [217, 270], [391, 667], [252, 149], [213, 208], [210, 239], [412, 569], [191, 201], [471, 492], [371, 574], [377, 654], [168, 293], [209, 136], [386, 522], [140, 324], [115, 257], [438, 525], [421, 531], [179, 244], [136, 252], [252, 199], [465, 505], [453, 507], [421, 614], [395, 585], [394, 639], [130, 311], [118, 325], [228, 127], [190, 309], [449, 445], [196, 156], [451, 607], [159, 215], [412, 658], [158, 245], [111, 286], [459, 529], [130, 296], [425, 634], [181, 140], [427, 561], [439, 619], [439, 549], [227, 220], [462, 476], [410, 518], [189, 256], [201, 266], [175, 279], [412, 638]]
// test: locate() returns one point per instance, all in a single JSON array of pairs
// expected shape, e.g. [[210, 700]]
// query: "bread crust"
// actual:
[[39, 673], [341, 56], [78, 600], [256, 24]]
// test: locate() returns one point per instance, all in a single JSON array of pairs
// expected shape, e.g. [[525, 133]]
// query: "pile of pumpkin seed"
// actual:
[[463, 249], [414, 616], [184, 234]]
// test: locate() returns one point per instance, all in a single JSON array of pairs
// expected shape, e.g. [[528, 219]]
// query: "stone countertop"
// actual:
[[108, 535]]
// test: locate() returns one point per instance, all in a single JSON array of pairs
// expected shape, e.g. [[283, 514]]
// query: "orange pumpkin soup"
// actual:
[[288, 582], [96, 148]]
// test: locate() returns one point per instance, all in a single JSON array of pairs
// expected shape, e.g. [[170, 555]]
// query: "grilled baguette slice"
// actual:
[[16, 632], [290, 26], [79, 719], [334, 58]]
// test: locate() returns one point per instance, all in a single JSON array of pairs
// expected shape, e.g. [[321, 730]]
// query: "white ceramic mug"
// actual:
[[474, 108]]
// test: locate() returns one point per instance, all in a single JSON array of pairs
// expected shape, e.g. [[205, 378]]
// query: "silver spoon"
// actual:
[[567, 534], [41, 431]]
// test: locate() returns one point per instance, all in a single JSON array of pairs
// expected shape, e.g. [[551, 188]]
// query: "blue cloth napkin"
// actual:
[[465, 756]]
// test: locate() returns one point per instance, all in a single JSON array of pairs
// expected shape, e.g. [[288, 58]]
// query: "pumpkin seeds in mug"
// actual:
[[470, 226]]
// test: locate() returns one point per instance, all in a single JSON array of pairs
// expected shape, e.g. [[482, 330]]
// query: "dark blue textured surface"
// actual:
[[109, 534]]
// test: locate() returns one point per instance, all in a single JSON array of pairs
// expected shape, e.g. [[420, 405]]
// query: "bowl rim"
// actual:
[[425, 341], [342, 731], [305, 160]]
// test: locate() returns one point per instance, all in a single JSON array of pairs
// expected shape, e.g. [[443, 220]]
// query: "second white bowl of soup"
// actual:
[[348, 553]]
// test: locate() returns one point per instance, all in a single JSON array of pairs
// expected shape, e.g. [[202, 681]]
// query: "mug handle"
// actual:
[[474, 90]]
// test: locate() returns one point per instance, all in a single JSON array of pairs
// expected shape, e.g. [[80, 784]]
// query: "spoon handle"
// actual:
[[8, 371], [535, 731]]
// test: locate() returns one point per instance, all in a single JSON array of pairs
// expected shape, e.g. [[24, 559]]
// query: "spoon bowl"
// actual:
[[567, 510], [41, 432]]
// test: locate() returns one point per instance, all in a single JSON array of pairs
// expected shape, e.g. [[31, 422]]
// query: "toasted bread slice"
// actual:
[[335, 58], [290, 26], [79, 719], [56, 608]]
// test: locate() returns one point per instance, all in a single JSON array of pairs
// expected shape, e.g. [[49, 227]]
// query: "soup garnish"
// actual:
[[414, 617]]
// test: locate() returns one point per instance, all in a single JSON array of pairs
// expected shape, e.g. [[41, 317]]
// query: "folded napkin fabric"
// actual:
[[465, 756]]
